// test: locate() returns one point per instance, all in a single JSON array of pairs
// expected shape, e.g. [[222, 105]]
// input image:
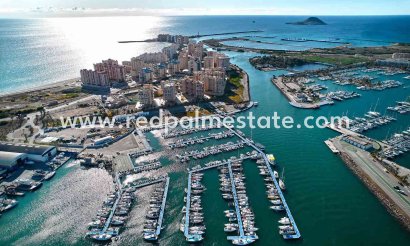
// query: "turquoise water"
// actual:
[[329, 203]]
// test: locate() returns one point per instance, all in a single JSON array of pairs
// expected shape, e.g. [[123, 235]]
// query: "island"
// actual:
[[309, 21]]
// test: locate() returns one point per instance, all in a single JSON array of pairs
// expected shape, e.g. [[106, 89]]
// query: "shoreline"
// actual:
[[40, 88], [384, 199], [375, 179]]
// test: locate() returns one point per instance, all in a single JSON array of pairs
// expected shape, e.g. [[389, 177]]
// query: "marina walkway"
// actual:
[[237, 209], [114, 207], [285, 205], [161, 214]]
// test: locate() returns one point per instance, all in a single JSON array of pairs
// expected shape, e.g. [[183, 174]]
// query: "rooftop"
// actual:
[[8, 159], [26, 149]]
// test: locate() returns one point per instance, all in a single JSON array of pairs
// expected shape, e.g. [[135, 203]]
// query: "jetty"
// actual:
[[242, 237], [288, 212]]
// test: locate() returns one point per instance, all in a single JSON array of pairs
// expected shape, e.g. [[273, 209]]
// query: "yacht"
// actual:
[[194, 238], [271, 159], [243, 241], [276, 174], [102, 237], [8, 204], [284, 221], [282, 185], [25, 184], [281, 181], [278, 208], [49, 175]]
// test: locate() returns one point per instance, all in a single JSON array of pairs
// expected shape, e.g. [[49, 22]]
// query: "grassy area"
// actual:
[[202, 112], [336, 60], [234, 87]]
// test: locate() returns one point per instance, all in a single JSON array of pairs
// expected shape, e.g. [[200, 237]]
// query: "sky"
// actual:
[[32, 8]]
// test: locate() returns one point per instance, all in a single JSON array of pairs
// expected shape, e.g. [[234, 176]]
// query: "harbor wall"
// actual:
[[387, 202]]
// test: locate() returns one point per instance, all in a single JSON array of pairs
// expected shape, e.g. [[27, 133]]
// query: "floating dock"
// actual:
[[161, 214], [114, 207], [242, 235], [285, 205]]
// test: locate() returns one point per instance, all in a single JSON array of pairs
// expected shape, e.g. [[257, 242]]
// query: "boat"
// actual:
[[278, 208], [271, 159], [281, 181], [150, 236], [102, 237], [276, 174], [194, 238], [8, 204], [282, 185], [25, 184], [49, 175], [243, 241], [284, 221]]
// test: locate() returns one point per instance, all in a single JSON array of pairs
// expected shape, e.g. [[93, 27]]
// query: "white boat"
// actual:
[[150, 236], [102, 237], [49, 175], [281, 181], [271, 159], [276, 174], [277, 208], [194, 238], [284, 221], [282, 185], [8, 204], [276, 202], [243, 241]]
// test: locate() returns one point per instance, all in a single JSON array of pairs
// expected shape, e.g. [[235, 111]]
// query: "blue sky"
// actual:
[[205, 7]]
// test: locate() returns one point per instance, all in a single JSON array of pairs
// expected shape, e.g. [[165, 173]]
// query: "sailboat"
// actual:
[[281, 181]]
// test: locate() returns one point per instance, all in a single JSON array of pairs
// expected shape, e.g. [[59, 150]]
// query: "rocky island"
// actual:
[[309, 21]]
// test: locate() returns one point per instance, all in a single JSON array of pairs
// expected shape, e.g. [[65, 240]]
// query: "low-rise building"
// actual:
[[22, 152]]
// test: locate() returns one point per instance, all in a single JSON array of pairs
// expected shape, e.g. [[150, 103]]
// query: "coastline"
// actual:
[[375, 179], [53, 85], [384, 199]]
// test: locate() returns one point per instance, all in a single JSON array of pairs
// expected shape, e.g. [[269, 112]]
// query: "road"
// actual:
[[376, 172]]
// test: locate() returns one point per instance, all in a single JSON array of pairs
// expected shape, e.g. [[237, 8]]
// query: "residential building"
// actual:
[[169, 93], [114, 71], [146, 95]]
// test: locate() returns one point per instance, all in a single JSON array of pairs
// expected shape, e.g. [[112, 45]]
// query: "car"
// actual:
[[396, 187]]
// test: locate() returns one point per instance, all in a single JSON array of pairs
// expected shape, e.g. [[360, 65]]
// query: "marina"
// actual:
[[401, 107], [181, 132], [155, 215], [181, 143], [146, 166], [213, 150], [371, 120], [117, 206], [398, 144]]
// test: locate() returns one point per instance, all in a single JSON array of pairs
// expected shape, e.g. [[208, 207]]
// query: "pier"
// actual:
[[189, 237], [161, 215], [242, 235], [216, 149], [148, 182], [285, 205], [188, 131], [147, 167], [114, 207], [200, 140]]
